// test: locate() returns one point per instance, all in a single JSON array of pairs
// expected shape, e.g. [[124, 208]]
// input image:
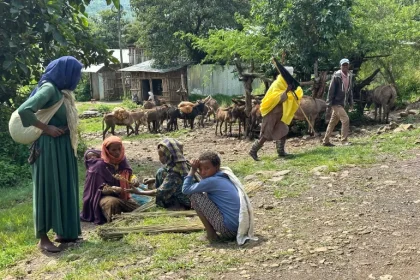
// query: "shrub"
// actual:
[[82, 92], [103, 109], [127, 103], [11, 174]]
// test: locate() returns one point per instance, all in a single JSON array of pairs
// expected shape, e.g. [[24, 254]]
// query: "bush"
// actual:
[[127, 103], [103, 109], [82, 92], [82, 146], [11, 174]]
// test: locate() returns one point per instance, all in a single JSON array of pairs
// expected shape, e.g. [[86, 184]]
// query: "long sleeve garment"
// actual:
[[54, 173], [222, 192], [97, 174]]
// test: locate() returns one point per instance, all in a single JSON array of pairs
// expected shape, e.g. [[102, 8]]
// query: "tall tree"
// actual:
[[163, 22], [385, 35], [35, 32], [104, 26], [248, 49], [304, 29]]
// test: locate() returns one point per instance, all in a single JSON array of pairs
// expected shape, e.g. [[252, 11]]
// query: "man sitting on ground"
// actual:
[[219, 199]]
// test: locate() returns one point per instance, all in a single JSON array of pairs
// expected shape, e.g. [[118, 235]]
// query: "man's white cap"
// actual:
[[344, 60]]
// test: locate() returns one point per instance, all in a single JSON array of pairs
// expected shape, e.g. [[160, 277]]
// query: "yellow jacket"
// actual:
[[272, 98]]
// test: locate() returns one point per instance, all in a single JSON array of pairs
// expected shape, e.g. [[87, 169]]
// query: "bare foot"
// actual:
[[48, 246], [206, 237]]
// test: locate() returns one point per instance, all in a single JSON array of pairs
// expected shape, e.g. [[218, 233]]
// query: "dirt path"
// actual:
[[358, 223]]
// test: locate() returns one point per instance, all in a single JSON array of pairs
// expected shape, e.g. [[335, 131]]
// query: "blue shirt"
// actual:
[[222, 192]]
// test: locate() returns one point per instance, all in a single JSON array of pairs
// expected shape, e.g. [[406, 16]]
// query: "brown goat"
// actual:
[[156, 116], [239, 114], [140, 118], [110, 120], [382, 97], [223, 115], [312, 108], [210, 101], [255, 118]]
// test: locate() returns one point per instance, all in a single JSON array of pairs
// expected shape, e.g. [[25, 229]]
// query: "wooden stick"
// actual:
[[189, 213], [114, 233]]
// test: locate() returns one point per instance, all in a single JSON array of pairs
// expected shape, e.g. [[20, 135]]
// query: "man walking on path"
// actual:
[[340, 94]]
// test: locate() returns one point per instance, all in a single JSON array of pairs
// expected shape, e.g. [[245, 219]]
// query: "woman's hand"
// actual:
[[53, 131], [283, 96], [134, 182], [132, 190]]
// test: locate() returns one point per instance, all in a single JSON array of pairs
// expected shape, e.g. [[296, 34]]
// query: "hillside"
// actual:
[[96, 6]]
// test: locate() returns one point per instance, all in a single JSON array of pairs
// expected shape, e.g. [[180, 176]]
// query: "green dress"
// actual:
[[54, 173]]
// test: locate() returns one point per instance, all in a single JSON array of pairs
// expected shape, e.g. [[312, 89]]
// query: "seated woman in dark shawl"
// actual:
[[107, 180], [169, 178]]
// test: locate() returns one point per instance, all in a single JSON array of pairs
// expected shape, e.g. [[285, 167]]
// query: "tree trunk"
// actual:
[[318, 88], [389, 76]]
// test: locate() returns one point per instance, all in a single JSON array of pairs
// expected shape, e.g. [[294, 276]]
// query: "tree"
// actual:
[[304, 29], [385, 35], [164, 22], [249, 49], [104, 26], [35, 32]]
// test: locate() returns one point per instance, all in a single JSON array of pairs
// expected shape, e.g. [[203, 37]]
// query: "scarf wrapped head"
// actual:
[[174, 156], [64, 73], [106, 156]]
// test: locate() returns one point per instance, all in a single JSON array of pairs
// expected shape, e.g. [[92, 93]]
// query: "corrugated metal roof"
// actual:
[[125, 54], [146, 66], [93, 68], [96, 68]]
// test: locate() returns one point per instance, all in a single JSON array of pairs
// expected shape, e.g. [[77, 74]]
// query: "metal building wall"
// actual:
[[209, 79]]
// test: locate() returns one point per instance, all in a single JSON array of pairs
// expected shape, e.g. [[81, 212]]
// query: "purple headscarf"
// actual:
[[64, 73]]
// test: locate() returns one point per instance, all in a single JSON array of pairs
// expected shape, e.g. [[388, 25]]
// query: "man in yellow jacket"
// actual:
[[277, 108]]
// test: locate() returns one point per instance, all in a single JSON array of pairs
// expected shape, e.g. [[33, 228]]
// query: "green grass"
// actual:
[[17, 237]]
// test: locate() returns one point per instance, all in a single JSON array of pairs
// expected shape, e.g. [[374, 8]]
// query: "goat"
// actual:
[[196, 110], [255, 118], [312, 108], [382, 97], [140, 117], [204, 115], [156, 116], [172, 120], [239, 113], [210, 101], [224, 115], [111, 120]]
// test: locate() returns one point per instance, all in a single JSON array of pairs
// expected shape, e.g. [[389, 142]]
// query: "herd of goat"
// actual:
[[156, 112]]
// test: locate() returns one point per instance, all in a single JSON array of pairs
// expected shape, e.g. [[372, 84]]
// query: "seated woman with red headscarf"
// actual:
[[107, 182]]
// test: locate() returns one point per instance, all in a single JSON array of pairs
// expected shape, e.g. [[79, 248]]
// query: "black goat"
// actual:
[[172, 121], [197, 110]]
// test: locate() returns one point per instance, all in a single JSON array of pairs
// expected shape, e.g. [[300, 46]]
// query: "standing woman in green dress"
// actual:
[[53, 155]]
